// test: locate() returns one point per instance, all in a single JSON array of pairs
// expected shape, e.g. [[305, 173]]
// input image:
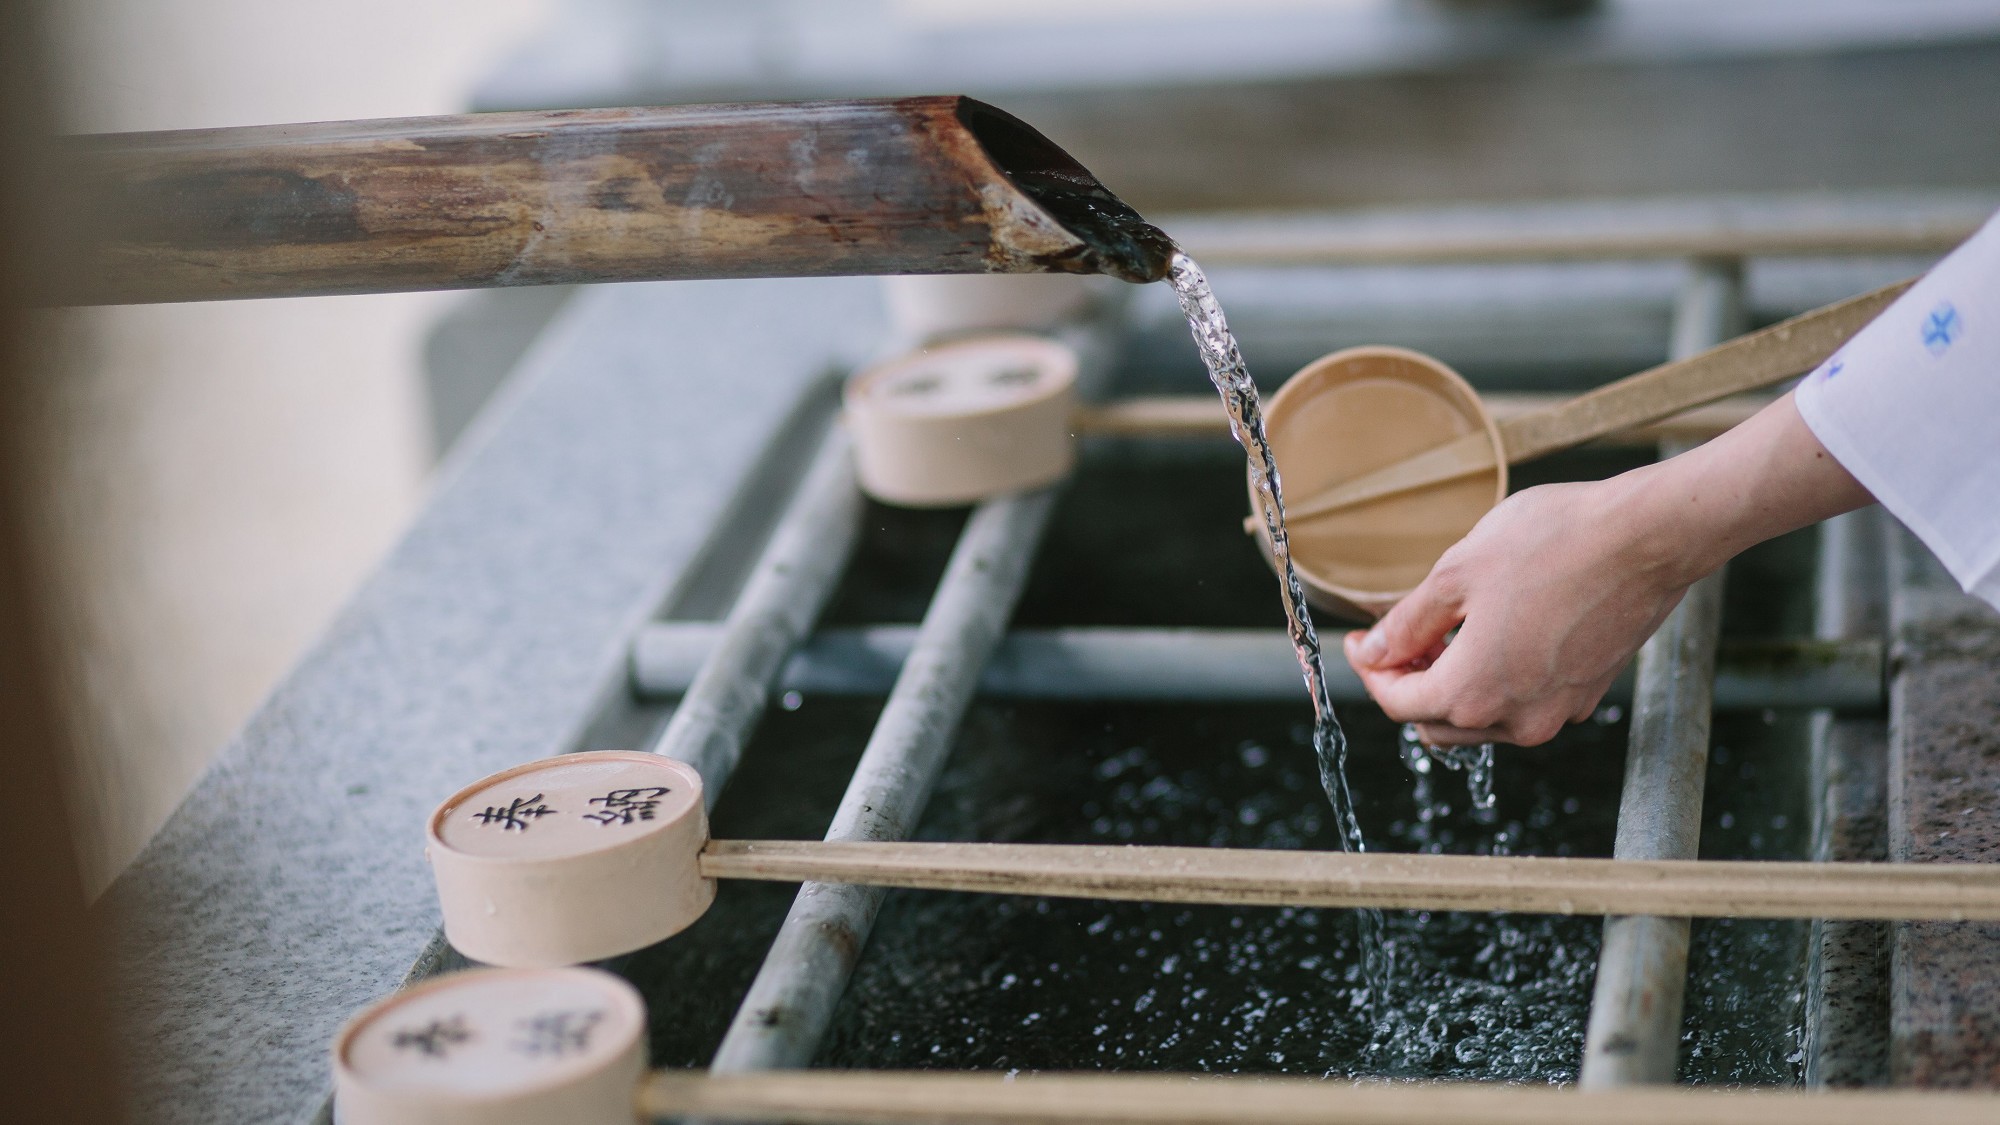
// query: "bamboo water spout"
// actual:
[[909, 185]]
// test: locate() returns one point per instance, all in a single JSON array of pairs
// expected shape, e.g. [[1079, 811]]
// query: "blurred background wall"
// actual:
[[222, 474]]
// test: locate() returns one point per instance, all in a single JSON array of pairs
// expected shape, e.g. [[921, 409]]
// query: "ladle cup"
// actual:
[[1388, 457]]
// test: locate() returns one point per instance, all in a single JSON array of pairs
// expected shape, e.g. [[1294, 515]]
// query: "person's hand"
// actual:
[[1558, 586], [1551, 594]]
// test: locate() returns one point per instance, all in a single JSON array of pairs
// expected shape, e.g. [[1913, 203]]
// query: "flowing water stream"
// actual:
[[1231, 376]]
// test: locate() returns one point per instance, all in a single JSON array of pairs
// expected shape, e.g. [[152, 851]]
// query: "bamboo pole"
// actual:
[[1261, 877], [1634, 1031], [1713, 226], [910, 185], [895, 1097], [816, 949], [1210, 665]]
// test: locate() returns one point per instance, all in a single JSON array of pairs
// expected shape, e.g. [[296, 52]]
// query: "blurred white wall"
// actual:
[[222, 474]]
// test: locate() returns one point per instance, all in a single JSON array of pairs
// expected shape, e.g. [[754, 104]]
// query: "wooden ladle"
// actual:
[[1390, 457], [587, 856]]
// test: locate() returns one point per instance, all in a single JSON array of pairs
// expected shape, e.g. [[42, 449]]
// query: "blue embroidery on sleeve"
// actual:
[[1942, 328]]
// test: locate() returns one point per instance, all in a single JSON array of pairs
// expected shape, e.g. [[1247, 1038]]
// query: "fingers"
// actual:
[[1532, 727], [1406, 695], [1438, 734], [1593, 699], [1414, 629], [1448, 711]]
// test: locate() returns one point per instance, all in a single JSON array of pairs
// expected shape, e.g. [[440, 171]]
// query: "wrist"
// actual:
[[1764, 478], [1678, 527]]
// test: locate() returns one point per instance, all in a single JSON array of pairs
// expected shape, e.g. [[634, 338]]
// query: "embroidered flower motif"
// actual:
[[1942, 328]]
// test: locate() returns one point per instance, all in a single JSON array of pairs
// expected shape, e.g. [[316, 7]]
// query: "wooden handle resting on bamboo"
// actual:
[[1758, 359], [1256, 877], [1202, 417], [535, 867], [1746, 363], [531, 1046], [842, 1097]]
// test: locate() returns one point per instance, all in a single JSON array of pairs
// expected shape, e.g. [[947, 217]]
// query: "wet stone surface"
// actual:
[[1945, 808], [1847, 1013]]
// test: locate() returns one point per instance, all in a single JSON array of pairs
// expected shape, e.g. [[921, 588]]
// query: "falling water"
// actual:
[[1475, 762], [1231, 377]]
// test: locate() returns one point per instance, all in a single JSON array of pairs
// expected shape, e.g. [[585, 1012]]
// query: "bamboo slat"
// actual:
[[1714, 226], [1254, 877], [833, 1097]]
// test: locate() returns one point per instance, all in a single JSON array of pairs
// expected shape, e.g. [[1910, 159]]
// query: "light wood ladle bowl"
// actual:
[[1388, 457]]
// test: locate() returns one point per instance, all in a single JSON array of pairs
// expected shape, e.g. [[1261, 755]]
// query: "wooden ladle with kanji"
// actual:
[[583, 857]]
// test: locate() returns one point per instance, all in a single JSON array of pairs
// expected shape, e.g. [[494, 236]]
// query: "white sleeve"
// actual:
[[1911, 407]]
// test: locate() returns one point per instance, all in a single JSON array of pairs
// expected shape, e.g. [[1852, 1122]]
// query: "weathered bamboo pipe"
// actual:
[[909, 185]]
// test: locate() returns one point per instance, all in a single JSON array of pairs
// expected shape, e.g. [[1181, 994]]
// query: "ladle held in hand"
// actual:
[[1389, 457], [1745, 363]]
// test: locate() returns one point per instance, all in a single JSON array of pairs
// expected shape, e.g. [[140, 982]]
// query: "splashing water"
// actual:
[[1231, 377], [1475, 762], [1042, 984]]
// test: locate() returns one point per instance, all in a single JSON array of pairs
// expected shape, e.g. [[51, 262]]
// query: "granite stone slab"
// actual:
[[1944, 807], [290, 887]]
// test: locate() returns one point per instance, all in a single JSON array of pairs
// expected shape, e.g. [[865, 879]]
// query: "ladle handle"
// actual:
[[1258, 877], [827, 1096], [1758, 359], [1785, 349]]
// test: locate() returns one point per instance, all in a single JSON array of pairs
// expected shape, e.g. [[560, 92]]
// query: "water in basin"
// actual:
[[964, 981]]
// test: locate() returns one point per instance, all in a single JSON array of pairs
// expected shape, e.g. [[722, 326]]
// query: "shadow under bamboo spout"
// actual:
[[909, 185]]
